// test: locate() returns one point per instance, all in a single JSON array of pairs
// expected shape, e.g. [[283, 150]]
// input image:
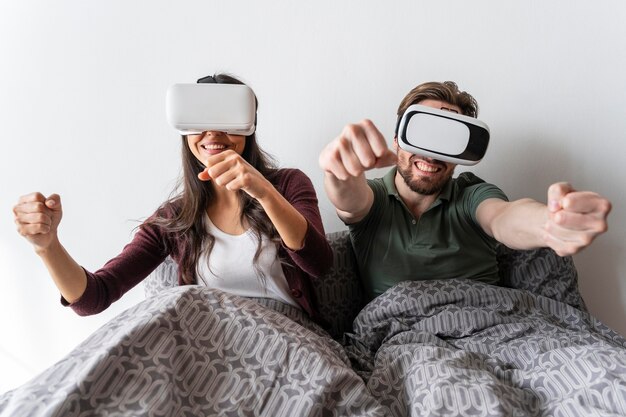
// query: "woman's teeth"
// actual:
[[214, 146]]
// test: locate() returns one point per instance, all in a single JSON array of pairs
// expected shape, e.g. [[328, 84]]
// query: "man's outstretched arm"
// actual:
[[358, 148], [568, 223]]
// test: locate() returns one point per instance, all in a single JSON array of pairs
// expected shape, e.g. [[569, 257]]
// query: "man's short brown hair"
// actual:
[[446, 91]]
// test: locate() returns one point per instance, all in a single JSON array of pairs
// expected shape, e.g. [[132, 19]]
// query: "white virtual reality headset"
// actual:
[[442, 135], [197, 108]]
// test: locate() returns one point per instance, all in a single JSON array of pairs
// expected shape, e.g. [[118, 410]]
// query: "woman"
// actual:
[[239, 226], [232, 197]]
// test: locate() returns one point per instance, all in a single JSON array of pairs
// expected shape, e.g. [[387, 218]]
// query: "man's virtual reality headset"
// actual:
[[442, 135], [197, 108]]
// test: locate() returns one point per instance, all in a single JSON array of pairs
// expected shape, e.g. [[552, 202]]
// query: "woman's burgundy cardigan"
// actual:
[[148, 249]]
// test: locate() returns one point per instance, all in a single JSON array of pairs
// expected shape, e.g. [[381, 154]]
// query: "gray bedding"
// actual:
[[453, 347], [463, 348], [194, 351]]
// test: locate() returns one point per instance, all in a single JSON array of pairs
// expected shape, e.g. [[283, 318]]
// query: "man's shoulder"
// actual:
[[384, 185], [378, 182], [467, 179], [471, 186]]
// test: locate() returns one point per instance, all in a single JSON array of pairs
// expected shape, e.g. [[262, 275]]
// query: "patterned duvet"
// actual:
[[453, 348], [463, 348]]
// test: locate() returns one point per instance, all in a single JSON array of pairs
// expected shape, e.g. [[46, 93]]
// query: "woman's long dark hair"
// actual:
[[188, 222]]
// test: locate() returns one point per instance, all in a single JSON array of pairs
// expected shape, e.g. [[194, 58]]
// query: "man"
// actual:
[[420, 223]]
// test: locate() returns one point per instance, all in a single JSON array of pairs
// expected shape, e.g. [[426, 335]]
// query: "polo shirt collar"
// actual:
[[389, 182], [390, 185]]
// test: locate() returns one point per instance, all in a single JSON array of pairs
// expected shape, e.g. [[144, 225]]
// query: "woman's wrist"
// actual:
[[50, 249]]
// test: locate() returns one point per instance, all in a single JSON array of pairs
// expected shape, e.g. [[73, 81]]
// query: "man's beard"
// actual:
[[423, 185]]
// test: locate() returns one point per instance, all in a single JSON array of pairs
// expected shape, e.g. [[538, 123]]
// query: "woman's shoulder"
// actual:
[[290, 174], [167, 210], [286, 178]]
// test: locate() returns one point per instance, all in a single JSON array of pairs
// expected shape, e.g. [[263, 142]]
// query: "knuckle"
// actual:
[[558, 187], [368, 161], [599, 226], [586, 240], [350, 130], [355, 171], [325, 157], [545, 237], [329, 163], [367, 123], [605, 206], [343, 144], [559, 218], [342, 141]]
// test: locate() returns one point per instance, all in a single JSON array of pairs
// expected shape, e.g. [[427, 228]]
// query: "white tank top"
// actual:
[[231, 268]]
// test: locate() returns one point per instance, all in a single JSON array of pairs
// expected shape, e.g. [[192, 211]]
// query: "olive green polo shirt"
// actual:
[[391, 245]]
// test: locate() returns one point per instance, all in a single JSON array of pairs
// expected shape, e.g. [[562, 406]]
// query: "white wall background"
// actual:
[[82, 87]]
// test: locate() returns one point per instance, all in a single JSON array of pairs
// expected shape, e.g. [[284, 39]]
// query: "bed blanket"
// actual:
[[195, 351], [463, 348], [427, 348]]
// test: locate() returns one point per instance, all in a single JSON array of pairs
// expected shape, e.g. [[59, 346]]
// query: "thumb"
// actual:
[[53, 202], [204, 175], [556, 192], [386, 159]]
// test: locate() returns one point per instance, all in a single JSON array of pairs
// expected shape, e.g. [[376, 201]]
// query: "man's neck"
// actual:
[[417, 203]]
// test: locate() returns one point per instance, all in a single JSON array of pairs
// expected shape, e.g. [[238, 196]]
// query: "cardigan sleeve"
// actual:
[[315, 257], [106, 285]]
